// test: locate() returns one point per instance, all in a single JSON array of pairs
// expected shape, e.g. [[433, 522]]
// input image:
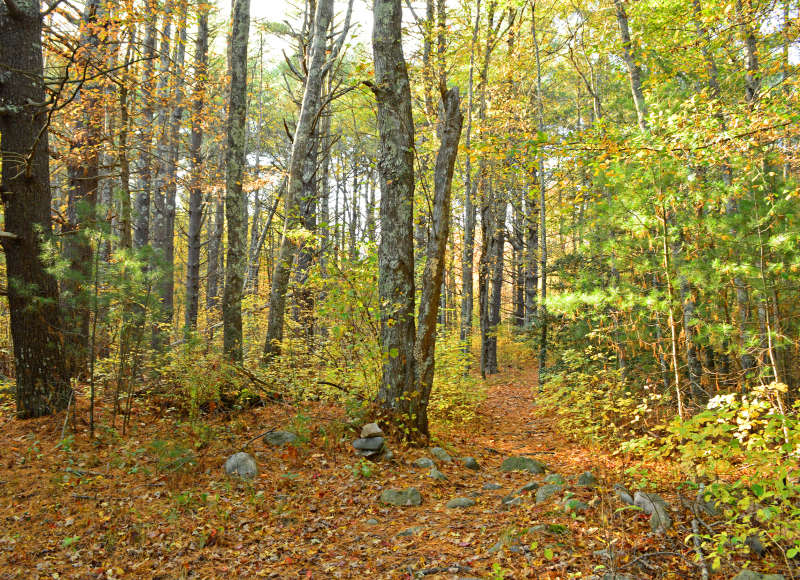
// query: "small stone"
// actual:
[[369, 444], [522, 464], [655, 506], [436, 474], [424, 463], [753, 541], [547, 491], [372, 522], [511, 500], [574, 505], [554, 478], [492, 486], [388, 454], [623, 494], [532, 486], [460, 502], [410, 531], [280, 438], [401, 497], [586, 479], [750, 575], [441, 454], [470, 463], [241, 465], [371, 430]]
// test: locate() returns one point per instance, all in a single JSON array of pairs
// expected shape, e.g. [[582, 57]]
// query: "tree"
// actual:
[[235, 199], [43, 383]]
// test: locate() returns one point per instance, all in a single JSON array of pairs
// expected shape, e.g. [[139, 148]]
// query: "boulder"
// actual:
[[492, 486], [280, 438], [586, 479], [424, 463], [654, 506], [441, 454], [623, 494], [554, 478], [546, 491], [241, 465], [750, 575], [401, 497], [511, 499], [369, 444], [522, 464], [470, 463], [532, 486], [460, 502], [371, 430], [436, 474], [575, 505]]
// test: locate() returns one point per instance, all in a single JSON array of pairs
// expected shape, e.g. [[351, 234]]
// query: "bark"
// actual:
[[301, 146], [215, 266], [141, 233], [42, 379], [631, 63], [397, 394], [467, 282], [196, 179], [450, 124], [235, 199]]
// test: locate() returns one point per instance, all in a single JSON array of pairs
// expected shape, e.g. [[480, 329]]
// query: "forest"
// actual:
[[400, 289]]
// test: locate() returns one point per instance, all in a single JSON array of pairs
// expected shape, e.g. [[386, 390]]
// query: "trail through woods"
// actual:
[[126, 507]]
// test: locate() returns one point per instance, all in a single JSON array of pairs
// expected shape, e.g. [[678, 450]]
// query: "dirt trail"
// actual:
[[107, 510]]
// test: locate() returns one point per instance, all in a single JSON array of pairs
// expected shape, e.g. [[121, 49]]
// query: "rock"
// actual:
[[511, 499], [441, 454], [532, 486], [554, 478], [280, 438], [436, 474], [470, 463], [401, 497], [586, 479], [750, 575], [574, 505], [372, 522], [388, 454], [623, 494], [492, 486], [547, 491], [460, 502], [371, 430], [241, 465], [522, 464], [424, 463], [655, 506], [369, 444], [410, 531], [753, 541]]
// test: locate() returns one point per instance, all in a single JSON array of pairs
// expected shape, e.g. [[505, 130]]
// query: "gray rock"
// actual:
[[388, 454], [470, 463], [372, 522], [413, 531], [532, 486], [280, 438], [371, 430], [750, 575], [367, 453], [241, 465], [424, 463], [401, 497], [554, 478], [655, 506], [753, 541], [586, 479], [522, 464], [369, 444], [492, 486], [436, 474], [623, 494], [511, 499], [546, 491], [574, 505], [460, 502], [441, 454]]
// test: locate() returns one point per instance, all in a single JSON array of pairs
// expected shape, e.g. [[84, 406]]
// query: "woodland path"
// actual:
[[105, 510]]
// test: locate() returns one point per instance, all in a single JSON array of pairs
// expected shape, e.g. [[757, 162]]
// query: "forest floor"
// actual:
[[156, 503]]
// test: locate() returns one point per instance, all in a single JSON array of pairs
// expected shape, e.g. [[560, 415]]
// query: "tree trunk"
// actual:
[[631, 63], [397, 394], [196, 179], [302, 144], [43, 382], [235, 198]]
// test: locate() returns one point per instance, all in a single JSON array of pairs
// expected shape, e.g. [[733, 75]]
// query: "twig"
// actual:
[[267, 432]]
